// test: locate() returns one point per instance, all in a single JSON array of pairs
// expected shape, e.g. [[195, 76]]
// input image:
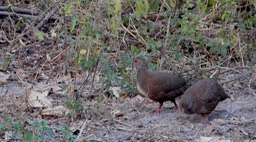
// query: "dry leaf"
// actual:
[[4, 77], [56, 111], [22, 43], [21, 73], [41, 87], [48, 57], [44, 76], [56, 89], [38, 99], [137, 99], [117, 113], [53, 33], [116, 91], [211, 139], [209, 128]]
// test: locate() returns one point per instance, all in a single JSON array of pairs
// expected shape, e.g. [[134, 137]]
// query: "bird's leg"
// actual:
[[159, 108], [175, 104], [206, 118]]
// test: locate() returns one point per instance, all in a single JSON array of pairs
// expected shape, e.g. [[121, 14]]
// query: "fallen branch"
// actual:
[[19, 10], [49, 15], [17, 14]]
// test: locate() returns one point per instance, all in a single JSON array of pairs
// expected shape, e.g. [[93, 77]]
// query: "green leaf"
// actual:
[[133, 48], [117, 6], [28, 136], [73, 23], [9, 8], [68, 8], [153, 5], [39, 35], [113, 24], [172, 3], [211, 2], [177, 55], [48, 132], [1, 126], [141, 9]]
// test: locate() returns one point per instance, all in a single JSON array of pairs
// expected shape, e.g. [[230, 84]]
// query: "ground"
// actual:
[[134, 118]]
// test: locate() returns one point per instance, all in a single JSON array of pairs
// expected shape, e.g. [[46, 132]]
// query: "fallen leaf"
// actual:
[[137, 99], [116, 91], [56, 89], [117, 113], [4, 77], [209, 128], [22, 43], [211, 139], [90, 137], [48, 57], [55, 111], [38, 99], [53, 33]]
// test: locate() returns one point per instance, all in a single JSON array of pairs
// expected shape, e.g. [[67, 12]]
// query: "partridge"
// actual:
[[158, 86], [202, 97]]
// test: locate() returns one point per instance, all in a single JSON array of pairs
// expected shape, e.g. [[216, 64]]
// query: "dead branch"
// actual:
[[17, 14], [20, 10]]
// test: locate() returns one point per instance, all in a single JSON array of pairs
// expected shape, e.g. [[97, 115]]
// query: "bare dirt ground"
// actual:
[[135, 119]]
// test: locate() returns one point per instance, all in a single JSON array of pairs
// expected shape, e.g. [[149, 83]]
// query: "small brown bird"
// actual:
[[202, 97], [158, 86]]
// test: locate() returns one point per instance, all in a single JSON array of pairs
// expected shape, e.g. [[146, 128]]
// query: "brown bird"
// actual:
[[202, 97], [158, 86]]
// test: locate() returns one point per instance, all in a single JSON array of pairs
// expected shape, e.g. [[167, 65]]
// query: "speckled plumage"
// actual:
[[158, 86], [202, 97]]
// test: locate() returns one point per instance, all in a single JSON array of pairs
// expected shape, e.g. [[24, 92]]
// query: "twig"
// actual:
[[137, 32], [27, 30], [48, 61], [86, 79], [81, 131], [252, 90], [158, 14], [238, 78], [122, 122], [14, 29], [48, 16], [94, 73], [128, 31], [16, 14], [214, 73], [19, 10]]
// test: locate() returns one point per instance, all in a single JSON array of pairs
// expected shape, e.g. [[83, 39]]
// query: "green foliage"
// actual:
[[88, 63], [4, 63], [114, 10], [73, 23], [67, 133], [68, 8], [35, 130], [153, 5], [75, 105], [109, 74], [133, 48], [172, 3], [142, 8], [122, 65], [40, 35]]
